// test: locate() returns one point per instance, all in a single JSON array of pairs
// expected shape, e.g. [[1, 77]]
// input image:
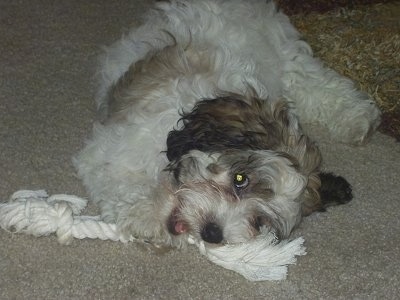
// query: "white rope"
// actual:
[[35, 213], [260, 259]]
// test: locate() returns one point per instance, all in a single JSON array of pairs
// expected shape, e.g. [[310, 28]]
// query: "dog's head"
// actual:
[[239, 163], [228, 196]]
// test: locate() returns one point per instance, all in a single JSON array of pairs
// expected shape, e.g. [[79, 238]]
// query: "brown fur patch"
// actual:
[[154, 72]]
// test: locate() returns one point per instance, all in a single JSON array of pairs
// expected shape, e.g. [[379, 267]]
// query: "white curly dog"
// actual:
[[199, 125]]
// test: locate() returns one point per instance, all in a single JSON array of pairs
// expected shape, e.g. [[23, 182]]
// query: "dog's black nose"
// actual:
[[211, 233]]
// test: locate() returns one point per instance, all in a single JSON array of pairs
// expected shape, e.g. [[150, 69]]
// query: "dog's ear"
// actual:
[[307, 154]]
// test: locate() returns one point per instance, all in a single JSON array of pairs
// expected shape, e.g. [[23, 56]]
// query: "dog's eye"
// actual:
[[240, 181]]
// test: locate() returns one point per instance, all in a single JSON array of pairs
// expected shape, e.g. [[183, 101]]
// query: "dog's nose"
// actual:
[[211, 233]]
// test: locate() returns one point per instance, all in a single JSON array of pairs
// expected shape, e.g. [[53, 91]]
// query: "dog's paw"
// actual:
[[357, 123], [334, 190]]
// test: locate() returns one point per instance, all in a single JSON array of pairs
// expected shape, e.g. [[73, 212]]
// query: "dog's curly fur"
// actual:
[[199, 125]]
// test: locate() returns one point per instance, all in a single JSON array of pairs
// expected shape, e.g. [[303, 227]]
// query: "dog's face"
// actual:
[[239, 164], [227, 197]]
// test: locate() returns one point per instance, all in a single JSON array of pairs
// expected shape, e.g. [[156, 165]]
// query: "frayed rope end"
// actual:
[[260, 259]]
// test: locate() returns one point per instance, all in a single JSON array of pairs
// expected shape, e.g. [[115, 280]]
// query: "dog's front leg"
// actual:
[[146, 219]]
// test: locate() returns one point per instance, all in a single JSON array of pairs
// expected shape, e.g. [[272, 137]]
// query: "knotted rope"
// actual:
[[35, 213]]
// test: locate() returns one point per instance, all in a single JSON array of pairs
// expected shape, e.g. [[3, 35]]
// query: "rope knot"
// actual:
[[65, 207], [34, 212]]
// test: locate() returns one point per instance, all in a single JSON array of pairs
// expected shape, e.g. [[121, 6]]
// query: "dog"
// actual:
[[199, 125]]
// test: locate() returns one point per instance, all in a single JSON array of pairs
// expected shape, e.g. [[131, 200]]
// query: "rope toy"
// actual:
[[35, 213]]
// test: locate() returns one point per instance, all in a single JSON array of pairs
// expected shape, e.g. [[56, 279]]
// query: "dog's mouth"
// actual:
[[262, 221], [175, 225]]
